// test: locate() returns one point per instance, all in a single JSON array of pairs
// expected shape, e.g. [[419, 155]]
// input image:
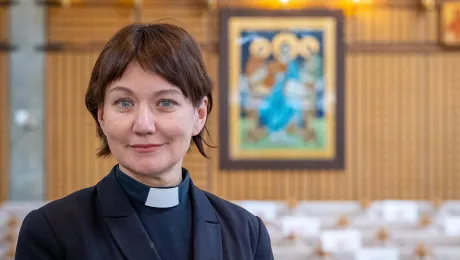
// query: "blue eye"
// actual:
[[124, 103], [167, 103]]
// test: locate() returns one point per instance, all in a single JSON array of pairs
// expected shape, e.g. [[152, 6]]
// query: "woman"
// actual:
[[150, 96]]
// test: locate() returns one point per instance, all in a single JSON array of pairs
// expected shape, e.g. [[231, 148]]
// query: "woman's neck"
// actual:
[[169, 178]]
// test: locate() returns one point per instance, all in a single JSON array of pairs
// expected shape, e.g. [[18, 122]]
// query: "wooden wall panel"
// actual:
[[4, 112], [401, 126], [71, 136], [392, 25], [86, 24], [192, 18], [4, 17], [443, 126], [301, 4]]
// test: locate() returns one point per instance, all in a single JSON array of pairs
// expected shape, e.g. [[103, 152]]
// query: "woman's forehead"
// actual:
[[136, 79]]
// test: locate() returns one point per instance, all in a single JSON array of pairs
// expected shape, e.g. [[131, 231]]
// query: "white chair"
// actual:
[[267, 210], [291, 249], [327, 208]]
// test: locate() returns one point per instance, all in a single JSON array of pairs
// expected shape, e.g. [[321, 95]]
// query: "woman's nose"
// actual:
[[145, 121]]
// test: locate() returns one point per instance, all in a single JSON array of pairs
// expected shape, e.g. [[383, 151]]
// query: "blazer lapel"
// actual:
[[207, 239], [123, 222]]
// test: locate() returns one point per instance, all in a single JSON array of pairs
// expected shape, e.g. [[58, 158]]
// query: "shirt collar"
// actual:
[[156, 197]]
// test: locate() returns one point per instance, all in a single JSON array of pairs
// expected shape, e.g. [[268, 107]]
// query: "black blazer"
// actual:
[[99, 223]]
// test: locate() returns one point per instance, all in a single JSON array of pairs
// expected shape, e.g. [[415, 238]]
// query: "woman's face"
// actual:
[[149, 123]]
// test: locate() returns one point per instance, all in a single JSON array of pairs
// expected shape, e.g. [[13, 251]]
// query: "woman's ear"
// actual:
[[100, 117], [201, 113]]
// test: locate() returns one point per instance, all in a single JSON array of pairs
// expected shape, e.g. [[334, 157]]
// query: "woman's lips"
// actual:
[[145, 148]]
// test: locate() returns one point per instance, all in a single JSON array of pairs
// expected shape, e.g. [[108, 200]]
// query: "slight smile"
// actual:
[[145, 148]]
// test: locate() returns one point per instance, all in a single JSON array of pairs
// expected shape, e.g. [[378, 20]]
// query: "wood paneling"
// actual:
[[71, 134], [4, 112], [401, 111], [300, 4], [392, 25], [86, 24], [194, 19], [4, 16]]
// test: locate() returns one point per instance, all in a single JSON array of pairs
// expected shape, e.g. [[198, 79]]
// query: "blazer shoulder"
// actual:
[[75, 203], [36, 239]]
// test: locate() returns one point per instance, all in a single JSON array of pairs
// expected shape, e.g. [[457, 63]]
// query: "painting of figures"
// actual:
[[281, 81]]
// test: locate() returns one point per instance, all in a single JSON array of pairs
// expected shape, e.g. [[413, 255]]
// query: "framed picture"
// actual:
[[450, 23], [281, 87]]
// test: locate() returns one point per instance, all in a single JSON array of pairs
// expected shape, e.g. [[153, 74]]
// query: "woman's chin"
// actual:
[[147, 167]]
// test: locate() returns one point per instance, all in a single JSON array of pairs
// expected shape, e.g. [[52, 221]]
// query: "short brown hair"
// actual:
[[164, 49]]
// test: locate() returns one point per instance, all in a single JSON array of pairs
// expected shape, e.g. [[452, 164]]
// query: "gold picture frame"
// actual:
[[281, 84]]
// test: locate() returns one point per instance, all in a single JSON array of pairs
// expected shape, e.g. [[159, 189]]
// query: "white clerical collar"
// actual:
[[161, 197]]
